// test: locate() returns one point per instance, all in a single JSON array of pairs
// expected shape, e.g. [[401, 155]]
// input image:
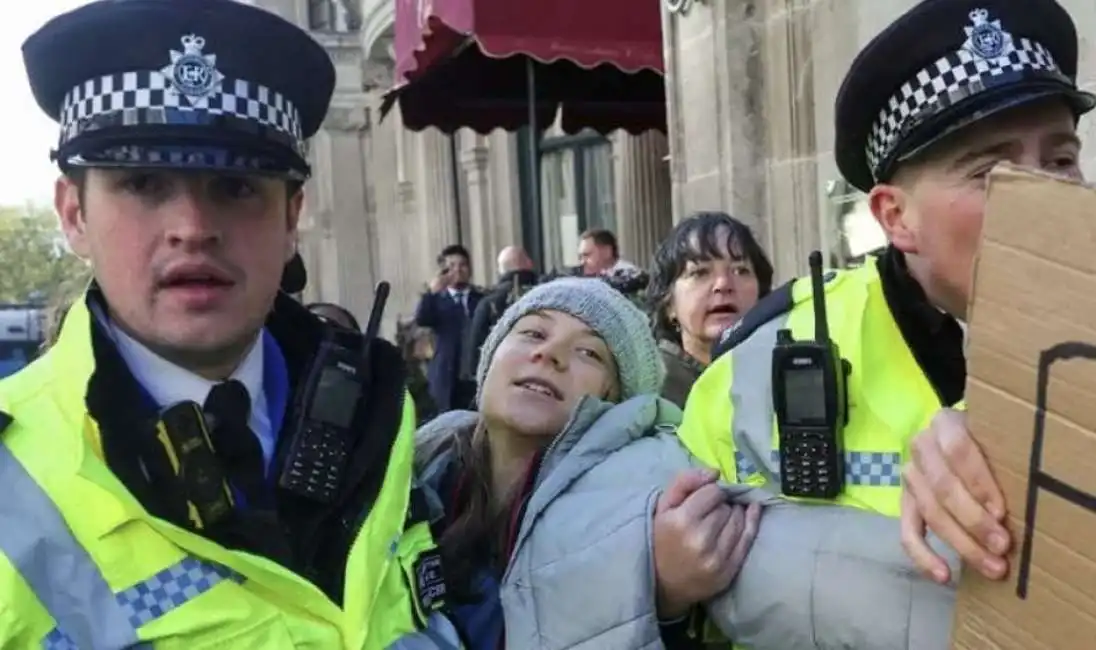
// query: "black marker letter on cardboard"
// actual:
[[1037, 478]]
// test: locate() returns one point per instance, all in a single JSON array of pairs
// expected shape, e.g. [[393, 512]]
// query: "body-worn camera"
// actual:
[[184, 436]]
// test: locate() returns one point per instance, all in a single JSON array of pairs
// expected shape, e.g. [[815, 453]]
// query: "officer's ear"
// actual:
[[68, 202], [897, 215]]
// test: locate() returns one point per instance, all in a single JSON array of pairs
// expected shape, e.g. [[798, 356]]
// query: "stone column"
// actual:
[[400, 257], [791, 184], [474, 156], [642, 179], [353, 234], [438, 206], [713, 87]]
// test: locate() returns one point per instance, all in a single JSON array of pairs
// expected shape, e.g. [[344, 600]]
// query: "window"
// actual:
[[333, 16], [577, 192], [859, 235]]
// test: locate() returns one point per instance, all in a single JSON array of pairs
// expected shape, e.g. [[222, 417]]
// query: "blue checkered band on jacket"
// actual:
[[874, 468], [148, 97], [955, 77]]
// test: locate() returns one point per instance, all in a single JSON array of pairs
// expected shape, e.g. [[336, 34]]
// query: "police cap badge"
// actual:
[[944, 65], [203, 84]]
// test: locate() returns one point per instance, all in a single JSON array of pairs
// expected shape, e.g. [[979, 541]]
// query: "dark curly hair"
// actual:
[[701, 236]]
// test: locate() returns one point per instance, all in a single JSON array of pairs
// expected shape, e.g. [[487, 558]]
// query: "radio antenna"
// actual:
[[380, 300], [818, 297]]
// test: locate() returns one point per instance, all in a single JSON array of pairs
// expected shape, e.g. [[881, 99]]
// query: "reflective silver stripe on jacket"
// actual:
[[439, 634], [37, 541], [752, 422]]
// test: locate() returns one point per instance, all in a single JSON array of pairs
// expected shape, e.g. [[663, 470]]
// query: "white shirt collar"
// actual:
[[170, 384]]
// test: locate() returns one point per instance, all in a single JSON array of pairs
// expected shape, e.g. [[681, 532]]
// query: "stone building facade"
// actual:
[[384, 201], [751, 86], [750, 91]]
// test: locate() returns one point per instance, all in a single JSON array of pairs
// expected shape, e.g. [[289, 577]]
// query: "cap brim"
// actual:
[[186, 158], [992, 103]]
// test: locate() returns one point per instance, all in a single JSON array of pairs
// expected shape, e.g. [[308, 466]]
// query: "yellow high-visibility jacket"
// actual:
[[84, 565], [729, 421]]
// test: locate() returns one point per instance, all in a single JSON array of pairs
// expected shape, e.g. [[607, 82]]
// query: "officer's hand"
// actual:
[[700, 541], [948, 487]]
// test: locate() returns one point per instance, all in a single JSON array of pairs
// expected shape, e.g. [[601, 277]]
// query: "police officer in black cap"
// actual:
[[198, 457], [929, 106], [1022, 107]]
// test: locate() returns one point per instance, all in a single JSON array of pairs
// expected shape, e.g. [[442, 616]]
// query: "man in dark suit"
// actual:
[[447, 309]]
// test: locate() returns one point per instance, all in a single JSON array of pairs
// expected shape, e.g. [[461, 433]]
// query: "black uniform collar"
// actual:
[[934, 338]]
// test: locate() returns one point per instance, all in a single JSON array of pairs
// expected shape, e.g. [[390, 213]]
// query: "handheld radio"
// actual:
[[810, 403], [331, 396]]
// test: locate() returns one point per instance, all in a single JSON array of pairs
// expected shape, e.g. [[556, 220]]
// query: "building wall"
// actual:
[[751, 87], [383, 201]]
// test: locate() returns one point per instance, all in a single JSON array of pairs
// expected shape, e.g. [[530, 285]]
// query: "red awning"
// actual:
[[464, 63]]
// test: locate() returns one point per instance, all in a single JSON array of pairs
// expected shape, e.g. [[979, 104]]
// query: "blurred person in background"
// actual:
[[516, 276], [447, 308], [705, 276], [416, 346], [599, 254], [599, 257]]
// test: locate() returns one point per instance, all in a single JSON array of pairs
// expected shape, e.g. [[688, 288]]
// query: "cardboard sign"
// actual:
[[1031, 395]]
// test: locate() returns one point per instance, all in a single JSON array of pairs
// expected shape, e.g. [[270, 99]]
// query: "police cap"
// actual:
[[192, 84], [944, 65]]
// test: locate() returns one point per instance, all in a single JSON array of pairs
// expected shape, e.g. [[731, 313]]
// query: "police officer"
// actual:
[[929, 106], [152, 460]]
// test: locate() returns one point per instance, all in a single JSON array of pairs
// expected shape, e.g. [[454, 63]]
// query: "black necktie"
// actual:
[[228, 408]]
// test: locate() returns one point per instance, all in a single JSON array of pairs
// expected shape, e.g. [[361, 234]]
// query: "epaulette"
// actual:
[[779, 302]]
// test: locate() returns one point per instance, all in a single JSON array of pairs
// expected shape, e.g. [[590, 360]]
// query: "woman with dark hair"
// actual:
[[706, 274]]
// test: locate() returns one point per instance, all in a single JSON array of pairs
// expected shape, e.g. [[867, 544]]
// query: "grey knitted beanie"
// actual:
[[623, 326]]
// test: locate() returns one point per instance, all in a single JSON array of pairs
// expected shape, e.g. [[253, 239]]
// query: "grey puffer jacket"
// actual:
[[582, 572]]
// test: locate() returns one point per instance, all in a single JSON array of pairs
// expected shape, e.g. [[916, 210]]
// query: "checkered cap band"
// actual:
[[148, 97], [951, 79]]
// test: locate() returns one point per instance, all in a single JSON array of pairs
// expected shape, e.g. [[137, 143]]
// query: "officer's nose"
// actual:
[[192, 219]]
